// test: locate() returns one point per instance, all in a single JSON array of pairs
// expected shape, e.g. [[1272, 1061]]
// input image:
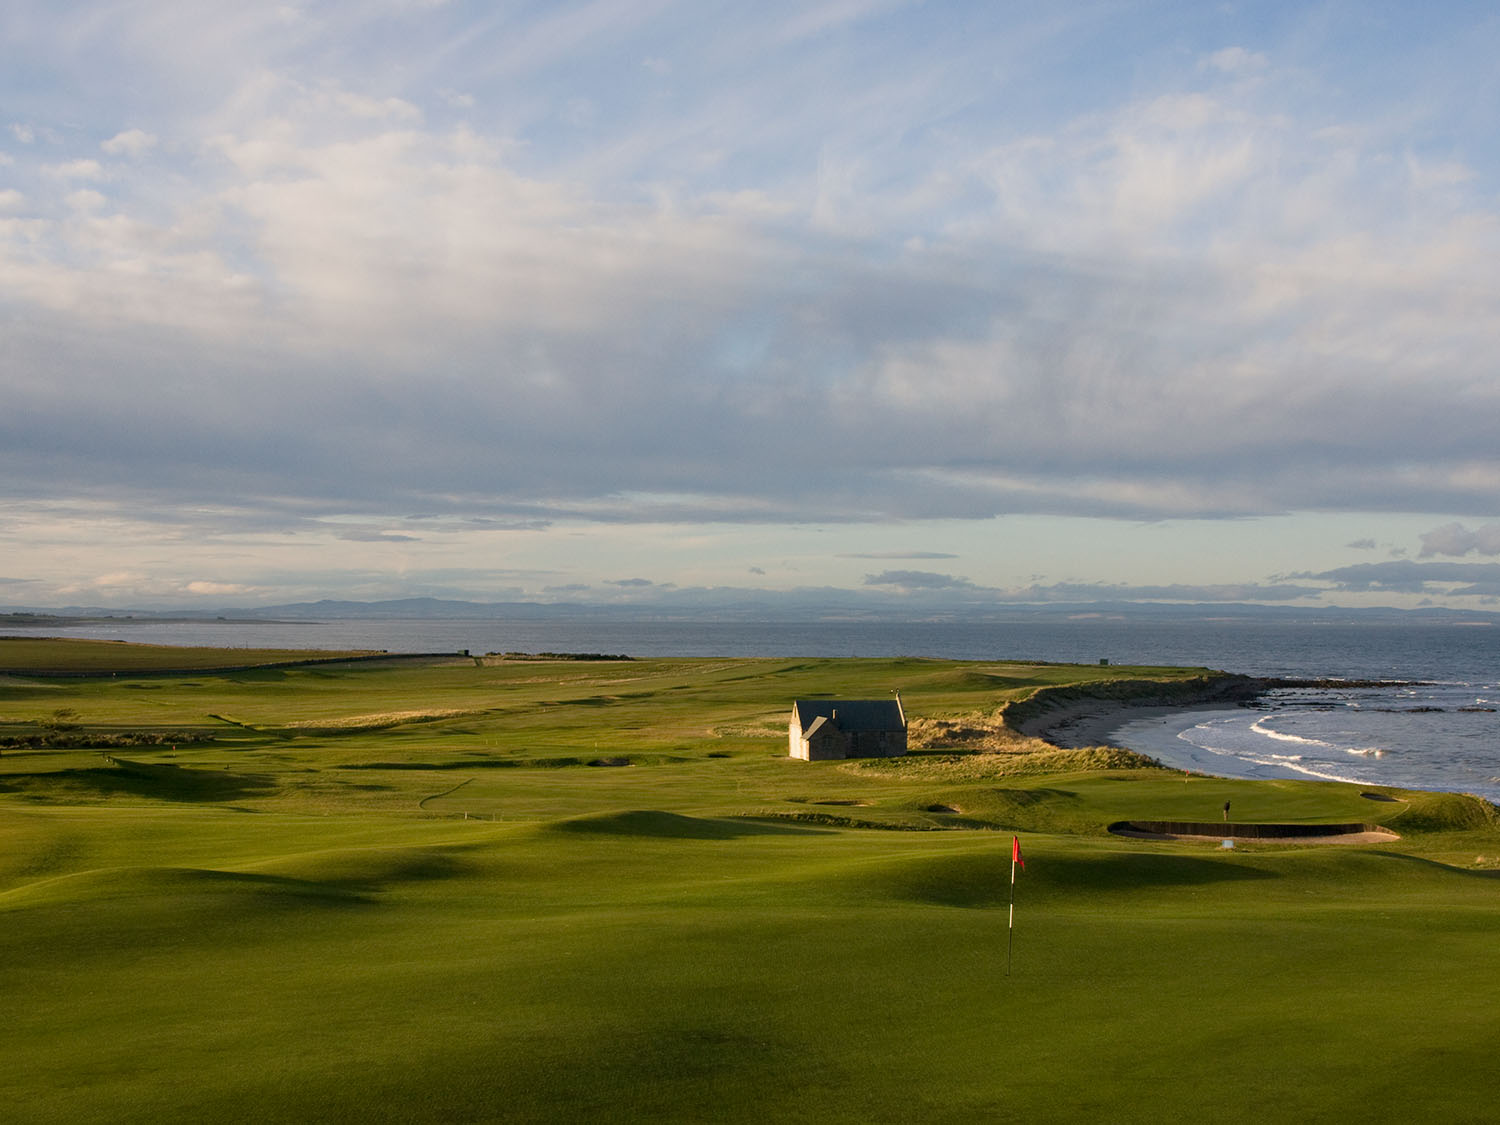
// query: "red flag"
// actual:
[[1015, 852]]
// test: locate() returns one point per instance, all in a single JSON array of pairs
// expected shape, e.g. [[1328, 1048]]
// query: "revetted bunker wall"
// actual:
[[1239, 831]]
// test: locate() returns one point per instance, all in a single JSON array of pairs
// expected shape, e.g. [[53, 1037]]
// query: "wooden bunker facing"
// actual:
[[824, 729]]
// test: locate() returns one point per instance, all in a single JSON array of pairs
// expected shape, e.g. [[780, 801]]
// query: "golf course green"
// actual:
[[475, 889]]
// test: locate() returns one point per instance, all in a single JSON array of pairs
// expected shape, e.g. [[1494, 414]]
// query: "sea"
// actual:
[[1433, 724]]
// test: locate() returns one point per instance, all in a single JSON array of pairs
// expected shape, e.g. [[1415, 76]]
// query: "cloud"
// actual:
[[133, 587], [1125, 592], [1361, 544], [357, 536], [482, 523], [85, 200], [853, 279], [220, 589], [897, 555], [917, 580], [134, 143], [1235, 60], [1453, 579], [819, 18], [1456, 539], [76, 170]]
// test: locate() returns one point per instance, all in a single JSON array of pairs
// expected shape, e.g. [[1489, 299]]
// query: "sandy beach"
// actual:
[[1153, 731], [1091, 723]]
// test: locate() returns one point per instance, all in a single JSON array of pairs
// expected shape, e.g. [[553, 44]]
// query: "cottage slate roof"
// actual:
[[854, 714]]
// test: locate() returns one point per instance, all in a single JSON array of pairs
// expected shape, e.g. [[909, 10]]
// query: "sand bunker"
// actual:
[[1255, 833]]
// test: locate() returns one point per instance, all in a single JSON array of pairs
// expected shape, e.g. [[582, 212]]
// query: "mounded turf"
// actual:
[[400, 893]]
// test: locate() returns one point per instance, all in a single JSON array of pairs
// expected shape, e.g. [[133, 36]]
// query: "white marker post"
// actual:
[[1010, 933]]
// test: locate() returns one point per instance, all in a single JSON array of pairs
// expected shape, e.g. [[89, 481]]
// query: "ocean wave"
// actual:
[[1206, 747], [1365, 751], [1260, 727], [1217, 737], [1321, 772], [1203, 736]]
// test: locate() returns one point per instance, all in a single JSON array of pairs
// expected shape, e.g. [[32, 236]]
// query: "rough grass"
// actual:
[[1028, 757], [987, 733], [379, 720]]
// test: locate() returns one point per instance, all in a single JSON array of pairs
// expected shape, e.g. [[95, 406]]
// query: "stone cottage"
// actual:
[[822, 729]]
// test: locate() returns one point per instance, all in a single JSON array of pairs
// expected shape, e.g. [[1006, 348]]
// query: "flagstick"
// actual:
[[1010, 930]]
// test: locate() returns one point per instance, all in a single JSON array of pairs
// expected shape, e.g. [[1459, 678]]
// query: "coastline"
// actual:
[[1074, 717], [1153, 731], [1168, 733], [1161, 734], [1154, 728]]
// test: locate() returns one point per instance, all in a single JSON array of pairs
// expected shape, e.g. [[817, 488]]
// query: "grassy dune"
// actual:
[[453, 916]]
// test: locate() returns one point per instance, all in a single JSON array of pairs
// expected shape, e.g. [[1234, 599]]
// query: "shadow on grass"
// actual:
[[138, 779], [650, 822], [141, 899], [275, 886], [1423, 862], [170, 893], [1124, 872], [977, 881], [561, 762], [444, 764]]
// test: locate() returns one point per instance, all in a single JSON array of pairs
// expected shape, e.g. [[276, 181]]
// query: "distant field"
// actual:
[[51, 655], [601, 891]]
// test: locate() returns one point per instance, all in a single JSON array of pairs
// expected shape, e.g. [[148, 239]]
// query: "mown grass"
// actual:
[[438, 920]]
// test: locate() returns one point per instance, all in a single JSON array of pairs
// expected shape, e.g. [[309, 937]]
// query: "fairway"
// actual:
[[458, 889]]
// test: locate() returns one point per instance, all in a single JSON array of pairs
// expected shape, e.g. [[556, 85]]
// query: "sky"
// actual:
[[654, 302]]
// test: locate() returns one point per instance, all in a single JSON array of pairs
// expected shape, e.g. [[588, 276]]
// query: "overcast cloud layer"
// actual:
[[377, 272]]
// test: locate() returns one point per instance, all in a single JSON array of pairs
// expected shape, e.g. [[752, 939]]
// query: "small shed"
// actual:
[[823, 729]]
